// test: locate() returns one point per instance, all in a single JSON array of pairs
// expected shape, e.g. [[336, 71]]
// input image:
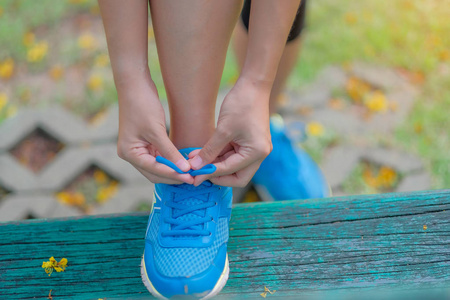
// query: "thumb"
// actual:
[[169, 151], [211, 150]]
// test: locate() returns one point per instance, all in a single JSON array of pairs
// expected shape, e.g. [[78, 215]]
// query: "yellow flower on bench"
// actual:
[[52, 264], [267, 290]]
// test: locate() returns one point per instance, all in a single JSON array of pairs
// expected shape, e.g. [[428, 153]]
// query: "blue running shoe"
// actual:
[[186, 241], [288, 172]]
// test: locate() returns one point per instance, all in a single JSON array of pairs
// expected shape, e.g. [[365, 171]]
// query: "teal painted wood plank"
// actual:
[[300, 247]]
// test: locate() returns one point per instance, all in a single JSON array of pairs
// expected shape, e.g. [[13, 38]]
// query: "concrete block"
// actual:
[[14, 176], [339, 163], [17, 207], [398, 160], [127, 199], [415, 182]]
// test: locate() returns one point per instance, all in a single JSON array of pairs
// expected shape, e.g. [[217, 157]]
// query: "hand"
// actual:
[[242, 138], [143, 136]]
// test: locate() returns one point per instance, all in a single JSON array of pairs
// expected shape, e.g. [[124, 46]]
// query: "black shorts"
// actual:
[[297, 27]]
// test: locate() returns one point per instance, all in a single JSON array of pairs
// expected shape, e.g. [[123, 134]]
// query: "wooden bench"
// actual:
[[298, 248]]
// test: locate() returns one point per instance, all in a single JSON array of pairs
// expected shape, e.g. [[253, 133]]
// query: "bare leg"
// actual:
[[287, 62], [192, 39]]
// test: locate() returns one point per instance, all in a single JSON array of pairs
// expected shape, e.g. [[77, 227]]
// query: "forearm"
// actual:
[[270, 23], [126, 24]]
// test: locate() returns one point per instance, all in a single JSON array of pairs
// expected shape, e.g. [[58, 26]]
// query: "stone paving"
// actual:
[[356, 132], [33, 194]]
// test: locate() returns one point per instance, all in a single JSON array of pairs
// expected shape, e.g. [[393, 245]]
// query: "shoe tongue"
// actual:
[[191, 202]]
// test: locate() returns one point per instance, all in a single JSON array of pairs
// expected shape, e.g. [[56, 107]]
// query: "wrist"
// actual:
[[127, 73], [132, 84], [136, 91]]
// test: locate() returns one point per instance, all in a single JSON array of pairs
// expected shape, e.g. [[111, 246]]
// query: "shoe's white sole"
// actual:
[[217, 288]]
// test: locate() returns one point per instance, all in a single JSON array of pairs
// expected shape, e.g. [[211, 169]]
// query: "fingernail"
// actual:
[[183, 165], [196, 162]]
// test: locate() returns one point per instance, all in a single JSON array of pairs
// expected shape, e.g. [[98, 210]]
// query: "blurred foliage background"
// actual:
[[55, 52]]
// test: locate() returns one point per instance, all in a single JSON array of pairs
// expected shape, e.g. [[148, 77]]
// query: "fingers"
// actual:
[[229, 166], [233, 163], [169, 151], [200, 178], [211, 150], [194, 153], [158, 179], [156, 172], [238, 179], [227, 148]]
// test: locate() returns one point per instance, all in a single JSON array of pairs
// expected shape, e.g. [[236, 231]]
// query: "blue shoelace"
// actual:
[[196, 215], [207, 169]]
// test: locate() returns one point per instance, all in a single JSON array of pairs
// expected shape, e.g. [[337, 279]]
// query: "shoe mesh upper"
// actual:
[[182, 262]]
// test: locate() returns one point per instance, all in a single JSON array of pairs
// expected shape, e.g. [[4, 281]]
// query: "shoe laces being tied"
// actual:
[[189, 204]]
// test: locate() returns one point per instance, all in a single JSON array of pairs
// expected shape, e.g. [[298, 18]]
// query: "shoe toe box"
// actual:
[[193, 286]]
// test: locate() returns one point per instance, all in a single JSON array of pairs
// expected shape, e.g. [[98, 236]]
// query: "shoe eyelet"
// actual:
[[210, 233], [215, 203]]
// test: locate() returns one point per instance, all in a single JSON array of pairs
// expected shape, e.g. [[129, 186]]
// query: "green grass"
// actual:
[[409, 34], [402, 33], [427, 131], [356, 183], [19, 16]]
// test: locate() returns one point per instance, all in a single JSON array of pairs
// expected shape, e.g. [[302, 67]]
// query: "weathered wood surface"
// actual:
[[295, 247]]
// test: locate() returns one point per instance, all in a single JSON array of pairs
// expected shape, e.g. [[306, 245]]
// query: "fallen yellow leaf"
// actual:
[[37, 52], [3, 100], [56, 72], [315, 129], [28, 39], [6, 68], [87, 41], [102, 60], [350, 18], [95, 82], [357, 89], [376, 102]]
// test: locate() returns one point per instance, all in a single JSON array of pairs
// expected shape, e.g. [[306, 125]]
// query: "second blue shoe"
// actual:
[[288, 172]]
